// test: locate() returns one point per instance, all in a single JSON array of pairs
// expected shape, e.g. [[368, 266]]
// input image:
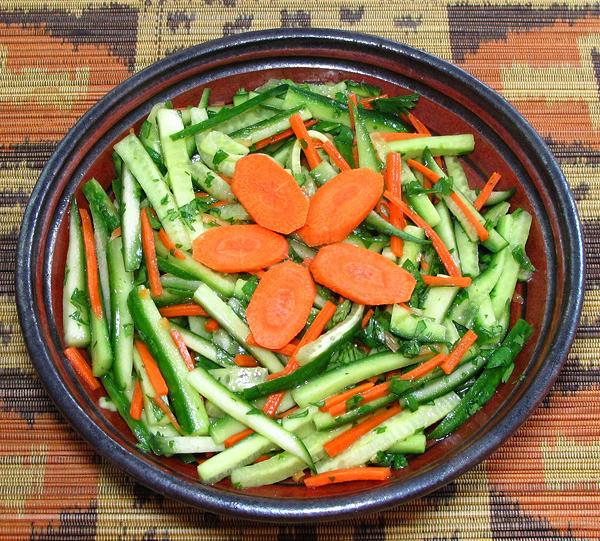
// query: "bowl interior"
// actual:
[[446, 108]]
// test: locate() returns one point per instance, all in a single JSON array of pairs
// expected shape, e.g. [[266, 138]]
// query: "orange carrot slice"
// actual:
[[91, 263], [361, 275], [487, 190], [467, 340], [341, 205], [239, 248], [345, 439], [280, 304], [445, 281], [181, 310], [269, 193], [81, 367], [361, 473], [137, 402]]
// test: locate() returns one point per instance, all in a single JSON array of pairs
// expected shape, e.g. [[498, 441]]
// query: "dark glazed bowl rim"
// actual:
[[272, 509]]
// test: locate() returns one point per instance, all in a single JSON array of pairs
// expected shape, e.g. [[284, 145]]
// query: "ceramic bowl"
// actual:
[[452, 102]]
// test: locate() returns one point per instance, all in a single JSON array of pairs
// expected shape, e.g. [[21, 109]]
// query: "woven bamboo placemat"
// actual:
[[58, 57]]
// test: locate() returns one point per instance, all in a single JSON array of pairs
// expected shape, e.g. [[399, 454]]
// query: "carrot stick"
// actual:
[[262, 458], [418, 125], [334, 154], [232, 440], [366, 396], [183, 350], [393, 183], [467, 340], [150, 255], [361, 473], [438, 244], [165, 239], [281, 304], [393, 136], [167, 411], [366, 318], [456, 281], [287, 350], [245, 360], [487, 190], [349, 196], [91, 263], [281, 136], [345, 439], [425, 367], [137, 402], [272, 404], [366, 102], [342, 397], [352, 101], [424, 170], [212, 325], [239, 248], [312, 333], [482, 232], [181, 310], [115, 234], [154, 375], [81, 367], [310, 151]]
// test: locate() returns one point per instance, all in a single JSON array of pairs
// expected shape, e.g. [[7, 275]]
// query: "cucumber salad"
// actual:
[[301, 285]]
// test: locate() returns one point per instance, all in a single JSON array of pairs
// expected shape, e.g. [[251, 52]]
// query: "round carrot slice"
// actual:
[[269, 193], [280, 305], [239, 248], [361, 275], [341, 205]]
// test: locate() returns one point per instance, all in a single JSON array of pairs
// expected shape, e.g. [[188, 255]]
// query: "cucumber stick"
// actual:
[[76, 312], [331, 340], [459, 177], [410, 326], [413, 445], [150, 179], [121, 284], [445, 230], [175, 445], [253, 418], [131, 227], [187, 404], [439, 145], [421, 203], [268, 127], [227, 318], [367, 157], [249, 449], [283, 465], [397, 428], [335, 380], [204, 347], [175, 156]]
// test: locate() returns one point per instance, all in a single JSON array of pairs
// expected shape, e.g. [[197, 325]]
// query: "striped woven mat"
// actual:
[[58, 57]]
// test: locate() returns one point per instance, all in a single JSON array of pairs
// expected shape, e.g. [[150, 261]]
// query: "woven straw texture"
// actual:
[[58, 57]]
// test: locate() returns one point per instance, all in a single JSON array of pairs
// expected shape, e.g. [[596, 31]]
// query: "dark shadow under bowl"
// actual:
[[452, 102]]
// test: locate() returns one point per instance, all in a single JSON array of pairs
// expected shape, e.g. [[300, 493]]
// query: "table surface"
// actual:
[[58, 57]]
